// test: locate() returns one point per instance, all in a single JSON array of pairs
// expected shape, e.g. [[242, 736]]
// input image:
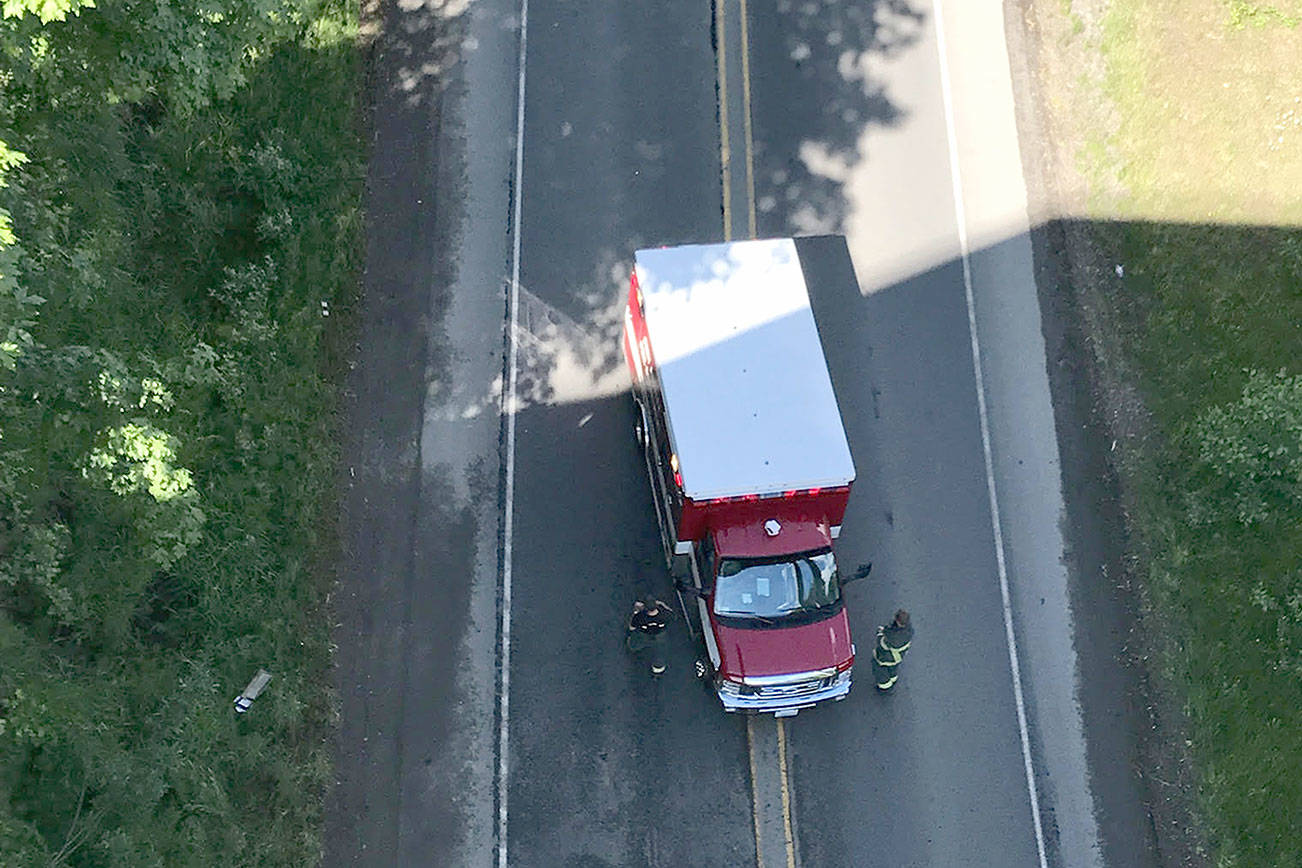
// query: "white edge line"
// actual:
[[509, 407], [961, 217]]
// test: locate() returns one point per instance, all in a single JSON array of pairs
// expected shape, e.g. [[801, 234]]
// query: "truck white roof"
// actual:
[[749, 401]]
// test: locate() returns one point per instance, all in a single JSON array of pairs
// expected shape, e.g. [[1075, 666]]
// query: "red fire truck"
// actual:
[[749, 465]]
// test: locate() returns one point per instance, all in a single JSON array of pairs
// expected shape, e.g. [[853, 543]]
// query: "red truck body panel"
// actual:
[[747, 653], [738, 522]]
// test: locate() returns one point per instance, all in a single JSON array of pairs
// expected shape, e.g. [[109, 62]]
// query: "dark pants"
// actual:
[[650, 647], [884, 675]]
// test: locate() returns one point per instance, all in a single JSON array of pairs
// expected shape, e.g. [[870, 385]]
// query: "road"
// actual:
[[487, 710]]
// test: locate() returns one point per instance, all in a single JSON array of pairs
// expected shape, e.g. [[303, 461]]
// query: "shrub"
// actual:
[[1251, 453]]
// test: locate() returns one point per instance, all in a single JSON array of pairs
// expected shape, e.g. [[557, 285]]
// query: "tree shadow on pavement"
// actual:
[[815, 74]]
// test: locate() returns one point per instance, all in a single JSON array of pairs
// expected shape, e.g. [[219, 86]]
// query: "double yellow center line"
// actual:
[[734, 12], [766, 737], [771, 802]]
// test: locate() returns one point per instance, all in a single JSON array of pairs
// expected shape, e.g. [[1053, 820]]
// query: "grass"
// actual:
[[188, 261], [1209, 143], [1222, 301], [1209, 113], [1245, 14]]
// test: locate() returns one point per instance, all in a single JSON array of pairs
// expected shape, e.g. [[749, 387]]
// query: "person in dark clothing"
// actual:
[[892, 641], [646, 631]]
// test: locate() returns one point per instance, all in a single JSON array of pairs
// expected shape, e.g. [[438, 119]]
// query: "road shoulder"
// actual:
[[416, 605], [1133, 725]]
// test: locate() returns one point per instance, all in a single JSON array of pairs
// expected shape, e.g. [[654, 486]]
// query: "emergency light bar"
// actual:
[[786, 495]]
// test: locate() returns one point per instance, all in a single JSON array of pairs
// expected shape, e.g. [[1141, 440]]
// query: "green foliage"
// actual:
[[1220, 501], [35, 564], [20, 842], [17, 306], [1252, 450], [9, 160], [188, 204], [138, 458], [45, 10], [1279, 598], [74, 52], [1245, 14]]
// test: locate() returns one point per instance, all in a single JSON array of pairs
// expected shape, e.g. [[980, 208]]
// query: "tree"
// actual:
[[17, 307], [183, 53]]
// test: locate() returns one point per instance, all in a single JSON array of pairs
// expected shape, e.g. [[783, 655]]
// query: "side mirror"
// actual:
[[860, 572], [684, 587]]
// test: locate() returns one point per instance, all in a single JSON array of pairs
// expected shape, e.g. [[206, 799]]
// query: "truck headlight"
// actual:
[[734, 688]]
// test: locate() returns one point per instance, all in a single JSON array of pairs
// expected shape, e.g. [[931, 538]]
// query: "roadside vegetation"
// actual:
[[179, 237], [1204, 166]]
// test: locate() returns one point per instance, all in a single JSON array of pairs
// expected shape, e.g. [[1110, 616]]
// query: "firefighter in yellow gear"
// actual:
[[892, 641]]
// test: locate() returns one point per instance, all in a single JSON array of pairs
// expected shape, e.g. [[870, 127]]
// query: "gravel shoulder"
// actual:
[[415, 630]]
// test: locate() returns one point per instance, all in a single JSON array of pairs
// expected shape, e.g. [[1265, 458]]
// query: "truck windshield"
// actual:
[[764, 590]]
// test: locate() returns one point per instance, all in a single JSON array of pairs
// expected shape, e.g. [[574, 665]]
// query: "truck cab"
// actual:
[[778, 637], [748, 461]]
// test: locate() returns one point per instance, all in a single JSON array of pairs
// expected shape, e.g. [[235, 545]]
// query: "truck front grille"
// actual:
[[794, 690]]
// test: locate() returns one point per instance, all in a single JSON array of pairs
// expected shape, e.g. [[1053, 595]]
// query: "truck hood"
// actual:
[[747, 653]]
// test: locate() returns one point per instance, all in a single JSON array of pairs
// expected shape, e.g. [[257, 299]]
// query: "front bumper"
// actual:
[[784, 696]]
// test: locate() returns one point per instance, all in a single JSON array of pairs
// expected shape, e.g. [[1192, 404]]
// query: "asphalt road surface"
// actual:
[[488, 711]]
